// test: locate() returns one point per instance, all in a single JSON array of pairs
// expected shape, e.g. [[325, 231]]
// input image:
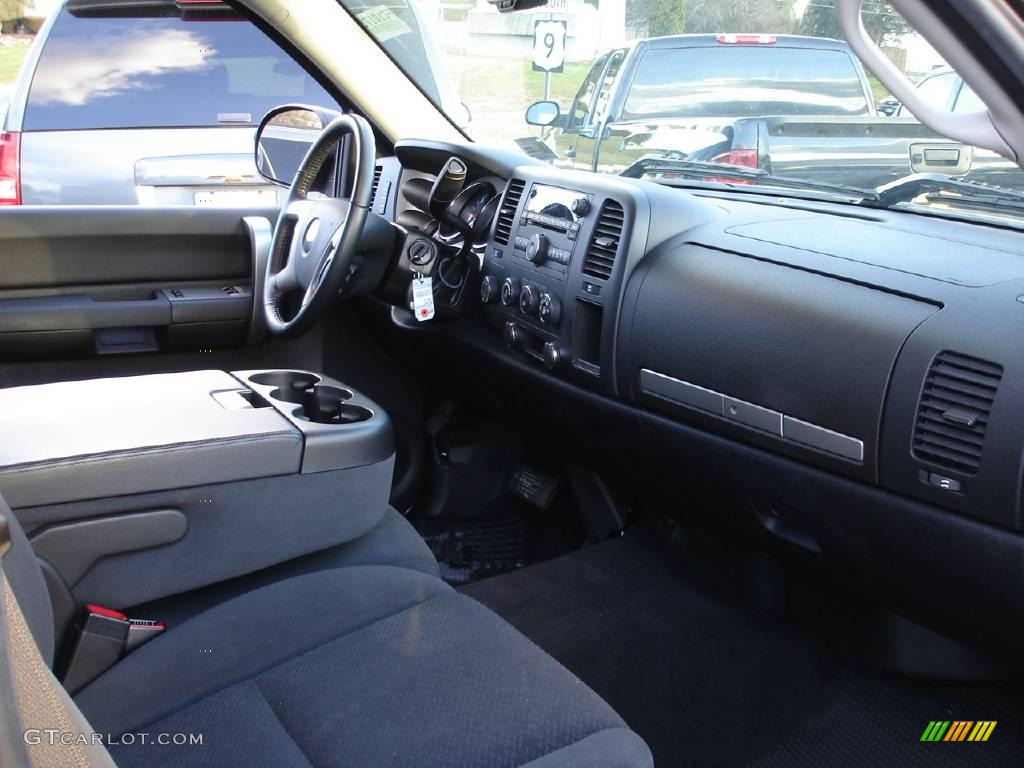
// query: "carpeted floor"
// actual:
[[709, 683]]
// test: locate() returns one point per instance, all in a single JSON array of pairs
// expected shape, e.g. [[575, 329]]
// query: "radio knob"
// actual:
[[510, 291], [490, 289], [552, 355], [512, 335], [581, 206], [550, 309], [529, 300], [537, 249]]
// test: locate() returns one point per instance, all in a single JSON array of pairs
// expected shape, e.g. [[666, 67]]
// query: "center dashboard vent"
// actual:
[[507, 213], [604, 243], [953, 415]]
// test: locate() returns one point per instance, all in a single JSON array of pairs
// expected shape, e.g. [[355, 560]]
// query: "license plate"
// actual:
[[237, 197]]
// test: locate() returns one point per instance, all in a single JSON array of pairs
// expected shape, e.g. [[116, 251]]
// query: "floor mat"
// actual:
[[472, 549], [705, 683]]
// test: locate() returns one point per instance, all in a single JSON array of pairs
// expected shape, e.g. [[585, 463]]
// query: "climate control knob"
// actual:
[[549, 309], [510, 291], [581, 206], [529, 300], [537, 249], [512, 335], [552, 355], [490, 289]]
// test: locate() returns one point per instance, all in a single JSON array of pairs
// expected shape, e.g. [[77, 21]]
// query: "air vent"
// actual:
[[507, 214], [604, 243], [953, 414], [377, 172]]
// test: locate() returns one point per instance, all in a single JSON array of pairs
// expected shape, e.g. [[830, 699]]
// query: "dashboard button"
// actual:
[[529, 300], [490, 289], [552, 355], [550, 310], [513, 336], [538, 249], [510, 291], [581, 206]]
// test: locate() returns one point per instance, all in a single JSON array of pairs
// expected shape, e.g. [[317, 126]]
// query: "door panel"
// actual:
[[104, 280]]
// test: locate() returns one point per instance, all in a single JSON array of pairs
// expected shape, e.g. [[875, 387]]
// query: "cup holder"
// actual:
[[289, 386], [327, 405]]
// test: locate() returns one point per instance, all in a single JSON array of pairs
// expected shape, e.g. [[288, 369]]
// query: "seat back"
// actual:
[[40, 726]]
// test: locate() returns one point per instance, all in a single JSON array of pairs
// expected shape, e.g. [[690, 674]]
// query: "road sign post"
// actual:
[[549, 50]]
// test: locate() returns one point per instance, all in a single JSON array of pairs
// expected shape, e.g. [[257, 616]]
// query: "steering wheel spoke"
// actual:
[[286, 280]]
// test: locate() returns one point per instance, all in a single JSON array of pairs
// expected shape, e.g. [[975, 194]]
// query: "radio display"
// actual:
[[552, 201]]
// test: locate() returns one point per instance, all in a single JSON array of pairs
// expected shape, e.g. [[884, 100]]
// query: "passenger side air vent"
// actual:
[[604, 243], [952, 417], [378, 170], [507, 214]]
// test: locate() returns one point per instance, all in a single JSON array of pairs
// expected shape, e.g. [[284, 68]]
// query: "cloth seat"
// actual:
[[361, 666], [393, 541]]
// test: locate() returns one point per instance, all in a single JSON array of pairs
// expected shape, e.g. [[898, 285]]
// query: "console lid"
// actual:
[[78, 440]]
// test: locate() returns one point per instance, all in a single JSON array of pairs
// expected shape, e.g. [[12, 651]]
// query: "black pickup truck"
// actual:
[[679, 92], [794, 106], [863, 152]]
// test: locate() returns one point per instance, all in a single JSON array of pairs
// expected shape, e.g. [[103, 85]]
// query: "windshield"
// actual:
[[766, 86]]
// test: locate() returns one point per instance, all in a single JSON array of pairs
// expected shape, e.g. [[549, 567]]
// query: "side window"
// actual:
[[937, 91], [140, 67], [584, 100], [968, 101]]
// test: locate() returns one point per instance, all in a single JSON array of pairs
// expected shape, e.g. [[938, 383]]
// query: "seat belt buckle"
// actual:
[[100, 639], [141, 631]]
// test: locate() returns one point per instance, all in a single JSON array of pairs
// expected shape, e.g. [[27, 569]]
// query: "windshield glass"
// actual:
[[634, 86]]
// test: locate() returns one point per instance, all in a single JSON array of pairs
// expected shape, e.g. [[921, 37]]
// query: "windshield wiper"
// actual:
[[936, 188], [723, 172]]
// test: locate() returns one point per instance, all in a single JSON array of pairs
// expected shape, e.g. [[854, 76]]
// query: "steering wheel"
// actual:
[[316, 240]]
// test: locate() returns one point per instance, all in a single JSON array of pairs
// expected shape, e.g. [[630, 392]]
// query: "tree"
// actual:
[[737, 16], [12, 9], [883, 23], [663, 17]]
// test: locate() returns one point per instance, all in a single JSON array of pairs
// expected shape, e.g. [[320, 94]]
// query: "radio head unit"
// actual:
[[555, 208]]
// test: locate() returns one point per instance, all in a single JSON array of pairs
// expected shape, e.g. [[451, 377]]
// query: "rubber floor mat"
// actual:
[[472, 549]]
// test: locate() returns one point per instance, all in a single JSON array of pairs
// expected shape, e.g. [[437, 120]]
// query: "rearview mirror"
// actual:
[[509, 6], [542, 113], [283, 139]]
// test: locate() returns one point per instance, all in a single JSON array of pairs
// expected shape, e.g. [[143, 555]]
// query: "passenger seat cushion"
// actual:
[[363, 666]]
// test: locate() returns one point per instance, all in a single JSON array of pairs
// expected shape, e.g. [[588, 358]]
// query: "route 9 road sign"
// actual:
[[549, 45]]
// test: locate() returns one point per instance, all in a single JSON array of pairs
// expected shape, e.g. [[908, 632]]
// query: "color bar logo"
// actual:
[[958, 730]]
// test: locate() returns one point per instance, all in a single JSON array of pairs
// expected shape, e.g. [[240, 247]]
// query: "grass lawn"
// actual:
[[11, 57], [880, 91], [498, 91]]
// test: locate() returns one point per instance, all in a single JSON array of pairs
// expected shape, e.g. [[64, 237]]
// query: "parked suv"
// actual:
[[156, 102], [687, 87]]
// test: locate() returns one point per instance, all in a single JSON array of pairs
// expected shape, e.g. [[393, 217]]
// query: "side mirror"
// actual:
[[889, 107], [543, 113], [283, 139]]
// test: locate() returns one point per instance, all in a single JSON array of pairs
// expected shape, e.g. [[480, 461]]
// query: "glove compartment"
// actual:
[[790, 360]]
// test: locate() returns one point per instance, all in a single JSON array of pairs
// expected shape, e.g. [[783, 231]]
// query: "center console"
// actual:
[[551, 275], [134, 488]]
